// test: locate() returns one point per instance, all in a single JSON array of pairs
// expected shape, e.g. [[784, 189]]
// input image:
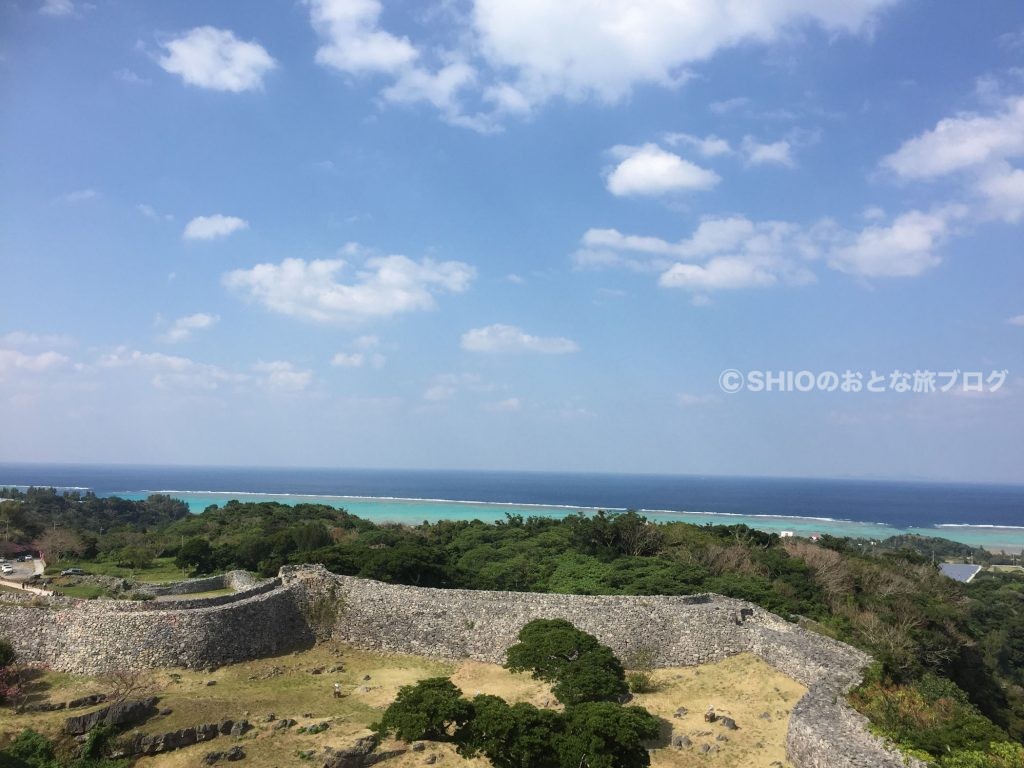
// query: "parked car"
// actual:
[[6, 570], [26, 558], [72, 572]]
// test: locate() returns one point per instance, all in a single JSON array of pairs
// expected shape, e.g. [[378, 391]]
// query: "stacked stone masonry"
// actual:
[[306, 603]]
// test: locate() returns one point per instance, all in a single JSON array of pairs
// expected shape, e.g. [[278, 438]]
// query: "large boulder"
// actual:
[[126, 712]]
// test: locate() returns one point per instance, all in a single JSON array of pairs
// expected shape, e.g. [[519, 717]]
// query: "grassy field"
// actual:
[[163, 570], [743, 687]]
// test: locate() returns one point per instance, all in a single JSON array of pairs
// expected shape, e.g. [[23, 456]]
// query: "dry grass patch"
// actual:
[[742, 687]]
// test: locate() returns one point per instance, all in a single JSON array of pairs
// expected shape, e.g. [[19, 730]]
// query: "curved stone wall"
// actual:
[[308, 602]]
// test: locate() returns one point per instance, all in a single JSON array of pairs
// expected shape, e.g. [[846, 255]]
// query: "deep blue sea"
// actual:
[[983, 515]]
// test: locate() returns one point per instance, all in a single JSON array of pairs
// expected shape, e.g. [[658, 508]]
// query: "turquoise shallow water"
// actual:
[[415, 511]]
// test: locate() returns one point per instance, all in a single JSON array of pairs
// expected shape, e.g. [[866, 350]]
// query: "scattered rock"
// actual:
[[166, 711], [681, 741], [234, 754], [121, 713], [418, 746], [240, 728], [729, 723], [271, 717], [721, 737], [765, 715], [210, 682], [430, 759], [366, 677], [212, 757], [282, 725], [681, 712], [226, 726]]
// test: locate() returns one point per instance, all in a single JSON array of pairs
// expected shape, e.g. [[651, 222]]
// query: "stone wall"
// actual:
[[307, 603]]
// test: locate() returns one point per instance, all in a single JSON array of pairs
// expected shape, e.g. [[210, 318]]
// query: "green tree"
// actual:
[[579, 666], [430, 709], [196, 554], [605, 735], [516, 736]]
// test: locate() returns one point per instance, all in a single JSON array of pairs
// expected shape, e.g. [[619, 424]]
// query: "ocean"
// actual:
[[990, 516]]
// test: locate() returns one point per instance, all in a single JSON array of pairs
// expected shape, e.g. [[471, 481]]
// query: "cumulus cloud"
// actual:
[[966, 141], [213, 227], [382, 287], [213, 58], [979, 149], [739, 253], [16, 361], [517, 55], [1016, 320], [650, 170], [170, 371], [281, 376], [580, 49], [353, 40], [500, 338], [776, 153], [183, 328], [905, 248]]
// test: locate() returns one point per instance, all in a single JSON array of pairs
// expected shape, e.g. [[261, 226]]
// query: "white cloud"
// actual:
[[1003, 190], [905, 248], [726, 106], [441, 89], [57, 8], [721, 272], [354, 41], [15, 361], [515, 279], [1016, 320], [281, 376], [384, 286], [499, 338], [735, 253], [741, 253], [513, 56], [964, 142], [182, 328], [358, 360], [213, 227], [508, 405], [776, 153], [213, 58], [580, 49], [650, 170], [170, 371], [709, 146]]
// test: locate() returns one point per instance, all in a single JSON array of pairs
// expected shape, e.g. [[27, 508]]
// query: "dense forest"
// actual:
[[949, 677]]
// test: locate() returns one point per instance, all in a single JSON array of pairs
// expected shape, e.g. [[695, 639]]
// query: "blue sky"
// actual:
[[496, 234]]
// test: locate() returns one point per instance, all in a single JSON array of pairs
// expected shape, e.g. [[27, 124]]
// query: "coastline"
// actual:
[[415, 510]]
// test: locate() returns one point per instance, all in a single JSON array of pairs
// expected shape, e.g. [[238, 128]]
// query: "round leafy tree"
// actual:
[[602, 734], [428, 710], [581, 668]]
